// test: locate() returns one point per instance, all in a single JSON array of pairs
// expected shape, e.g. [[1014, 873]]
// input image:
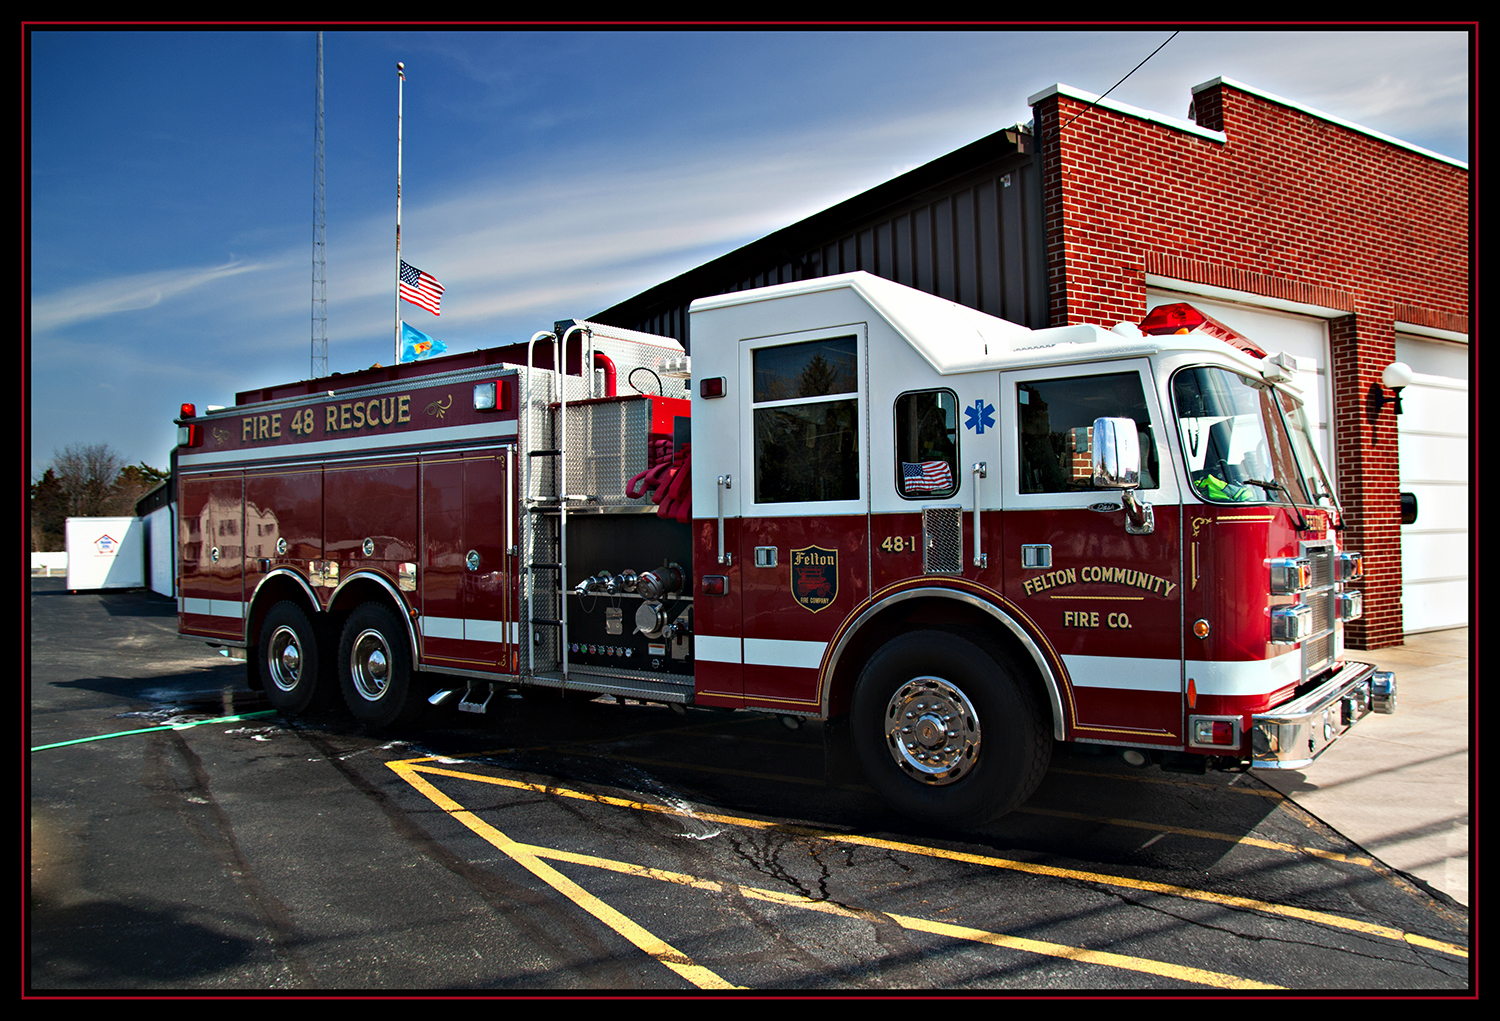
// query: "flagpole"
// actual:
[[400, 90]]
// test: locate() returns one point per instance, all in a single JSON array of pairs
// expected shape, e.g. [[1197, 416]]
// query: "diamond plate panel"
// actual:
[[942, 540], [607, 446]]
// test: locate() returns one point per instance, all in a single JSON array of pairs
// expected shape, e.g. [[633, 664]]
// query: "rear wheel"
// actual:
[[945, 731], [291, 661], [375, 669]]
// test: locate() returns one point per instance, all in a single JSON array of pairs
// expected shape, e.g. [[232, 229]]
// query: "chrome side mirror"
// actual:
[[1117, 454], [1116, 449]]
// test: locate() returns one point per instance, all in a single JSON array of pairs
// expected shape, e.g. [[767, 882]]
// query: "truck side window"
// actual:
[[805, 399], [1057, 426], [927, 444]]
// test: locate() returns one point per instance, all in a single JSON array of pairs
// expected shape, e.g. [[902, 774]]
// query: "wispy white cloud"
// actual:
[[568, 243], [112, 296], [723, 140], [607, 226]]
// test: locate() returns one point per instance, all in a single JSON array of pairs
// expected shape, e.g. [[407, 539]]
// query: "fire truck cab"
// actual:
[[955, 539]]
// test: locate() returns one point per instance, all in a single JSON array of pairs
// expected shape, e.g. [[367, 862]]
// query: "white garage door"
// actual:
[[1303, 336], [1434, 446]]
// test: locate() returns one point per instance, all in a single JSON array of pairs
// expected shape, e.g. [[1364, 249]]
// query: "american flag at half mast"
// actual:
[[420, 288], [926, 476]]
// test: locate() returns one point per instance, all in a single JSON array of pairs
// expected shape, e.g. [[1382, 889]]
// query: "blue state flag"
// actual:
[[415, 344]]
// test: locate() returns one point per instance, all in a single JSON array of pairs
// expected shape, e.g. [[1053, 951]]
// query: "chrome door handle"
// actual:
[[981, 471], [725, 482]]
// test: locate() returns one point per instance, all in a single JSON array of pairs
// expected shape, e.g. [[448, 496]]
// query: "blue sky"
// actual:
[[546, 175]]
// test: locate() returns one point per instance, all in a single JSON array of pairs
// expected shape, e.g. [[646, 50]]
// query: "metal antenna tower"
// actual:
[[320, 244]]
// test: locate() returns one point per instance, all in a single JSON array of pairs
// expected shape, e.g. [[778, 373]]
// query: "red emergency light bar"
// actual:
[[1184, 318]]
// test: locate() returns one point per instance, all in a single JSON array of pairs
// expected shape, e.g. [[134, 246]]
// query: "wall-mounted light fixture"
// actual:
[[1395, 378]]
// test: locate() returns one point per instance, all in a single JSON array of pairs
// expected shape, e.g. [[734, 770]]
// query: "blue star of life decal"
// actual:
[[980, 417]]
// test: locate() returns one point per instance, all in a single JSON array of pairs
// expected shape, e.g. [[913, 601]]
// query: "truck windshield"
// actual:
[[1246, 442]]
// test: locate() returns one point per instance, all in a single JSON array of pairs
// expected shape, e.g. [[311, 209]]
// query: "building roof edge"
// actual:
[[1175, 123], [1330, 118]]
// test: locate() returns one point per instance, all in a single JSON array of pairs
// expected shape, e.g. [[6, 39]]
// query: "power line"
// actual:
[[1117, 84]]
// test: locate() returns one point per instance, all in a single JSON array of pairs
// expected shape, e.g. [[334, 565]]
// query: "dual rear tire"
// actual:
[[374, 666], [375, 669], [295, 675]]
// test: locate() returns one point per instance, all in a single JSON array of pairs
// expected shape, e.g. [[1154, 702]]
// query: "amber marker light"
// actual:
[[1200, 628]]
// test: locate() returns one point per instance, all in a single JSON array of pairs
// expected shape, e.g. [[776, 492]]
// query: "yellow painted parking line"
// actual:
[[663, 951], [602, 799], [1199, 976], [990, 861], [1171, 890], [1270, 845]]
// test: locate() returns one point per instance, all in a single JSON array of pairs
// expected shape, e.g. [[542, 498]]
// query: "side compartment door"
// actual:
[[1109, 602], [804, 505], [211, 554], [283, 521], [466, 570]]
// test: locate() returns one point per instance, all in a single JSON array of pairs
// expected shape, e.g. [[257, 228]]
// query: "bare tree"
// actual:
[[87, 473], [85, 480]]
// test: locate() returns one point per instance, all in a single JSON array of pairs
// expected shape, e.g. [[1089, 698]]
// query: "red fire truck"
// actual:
[[954, 539]]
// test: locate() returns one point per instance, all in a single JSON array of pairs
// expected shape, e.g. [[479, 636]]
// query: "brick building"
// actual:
[[1338, 244]]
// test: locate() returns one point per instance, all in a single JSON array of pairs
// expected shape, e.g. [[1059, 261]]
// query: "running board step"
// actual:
[[470, 705]]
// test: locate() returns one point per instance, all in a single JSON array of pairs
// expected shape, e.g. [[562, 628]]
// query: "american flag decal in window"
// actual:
[[926, 476]]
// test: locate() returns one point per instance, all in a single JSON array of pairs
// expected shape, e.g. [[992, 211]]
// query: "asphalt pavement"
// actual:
[[264, 856], [1399, 785]]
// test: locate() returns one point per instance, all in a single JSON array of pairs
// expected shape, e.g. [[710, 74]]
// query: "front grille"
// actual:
[[1317, 651]]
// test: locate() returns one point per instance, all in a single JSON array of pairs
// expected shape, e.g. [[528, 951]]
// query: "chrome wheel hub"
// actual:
[[284, 659], [932, 730], [370, 665]]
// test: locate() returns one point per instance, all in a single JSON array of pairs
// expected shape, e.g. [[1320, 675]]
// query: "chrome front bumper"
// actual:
[[1293, 734]]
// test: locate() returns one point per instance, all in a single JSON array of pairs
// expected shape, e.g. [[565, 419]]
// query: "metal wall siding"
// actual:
[[987, 245], [901, 266], [966, 235], [975, 240], [946, 217], [921, 230], [1024, 245]]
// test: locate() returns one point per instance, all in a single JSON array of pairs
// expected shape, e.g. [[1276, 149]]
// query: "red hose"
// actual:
[[668, 480], [677, 504], [660, 465]]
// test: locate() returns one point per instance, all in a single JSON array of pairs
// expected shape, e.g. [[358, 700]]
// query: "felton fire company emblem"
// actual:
[[815, 577]]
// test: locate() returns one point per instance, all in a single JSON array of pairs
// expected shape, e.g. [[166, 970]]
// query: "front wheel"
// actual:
[[375, 669], [945, 732]]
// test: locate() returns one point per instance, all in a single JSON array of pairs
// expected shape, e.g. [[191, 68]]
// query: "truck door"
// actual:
[[466, 572], [1109, 601], [803, 540]]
